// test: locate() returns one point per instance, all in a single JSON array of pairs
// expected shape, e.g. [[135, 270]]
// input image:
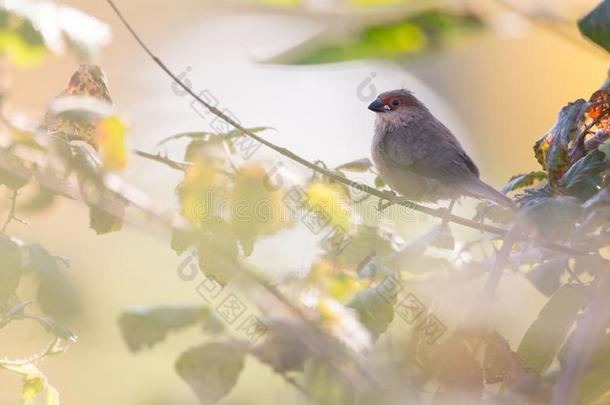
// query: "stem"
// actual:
[[439, 213]]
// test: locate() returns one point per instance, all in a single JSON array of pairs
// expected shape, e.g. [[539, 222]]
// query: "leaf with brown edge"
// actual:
[[500, 362], [600, 102], [456, 367], [552, 149], [89, 81]]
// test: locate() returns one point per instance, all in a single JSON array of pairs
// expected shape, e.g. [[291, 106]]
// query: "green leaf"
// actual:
[[551, 150], [56, 296], [147, 327], [32, 386], [211, 370], [546, 334], [596, 25], [546, 276], [523, 180], [375, 309], [26, 25], [554, 217], [584, 178], [56, 328], [358, 166], [415, 35]]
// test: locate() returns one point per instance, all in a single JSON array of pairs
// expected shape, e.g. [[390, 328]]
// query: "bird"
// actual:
[[420, 158]]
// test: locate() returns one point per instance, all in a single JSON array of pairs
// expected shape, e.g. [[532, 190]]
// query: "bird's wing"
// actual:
[[429, 149]]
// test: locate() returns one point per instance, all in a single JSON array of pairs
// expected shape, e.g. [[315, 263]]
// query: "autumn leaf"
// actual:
[[111, 140]]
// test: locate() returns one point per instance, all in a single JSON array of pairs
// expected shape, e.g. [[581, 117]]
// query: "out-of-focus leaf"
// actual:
[[206, 136], [54, 327], [217, 253], [10, 267], [457, 369], [493, 212], [146, 327], [111, 139], [358, 166], [32, 386], [75, 112], [367, 241], [547, 333], [285, 348], [211, 370], [256, 210], [523, 180], [102, 222], [584, 178], [37, 202], [375, 309], [547, 276], [552, 149], [379, 182], [27, 25], [553, 217], [57, 296], [596, 25], [14, 174], [500, 363], [415, 35], [331, 204]]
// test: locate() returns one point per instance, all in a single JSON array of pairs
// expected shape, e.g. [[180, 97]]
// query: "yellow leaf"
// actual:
[[331, 201], [111, 140]]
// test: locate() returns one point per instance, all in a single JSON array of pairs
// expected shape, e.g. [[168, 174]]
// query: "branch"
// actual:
[[438, 212], [12, 212]]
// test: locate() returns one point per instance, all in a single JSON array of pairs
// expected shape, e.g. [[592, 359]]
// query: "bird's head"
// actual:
[[396, 101]]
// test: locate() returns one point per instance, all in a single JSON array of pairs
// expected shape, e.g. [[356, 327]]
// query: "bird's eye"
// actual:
[[396, 102]]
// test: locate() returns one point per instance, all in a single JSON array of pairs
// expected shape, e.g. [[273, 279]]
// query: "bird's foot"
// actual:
[[392, 199]]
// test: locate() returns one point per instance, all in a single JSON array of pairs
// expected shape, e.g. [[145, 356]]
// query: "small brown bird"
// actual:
[[420, 158]]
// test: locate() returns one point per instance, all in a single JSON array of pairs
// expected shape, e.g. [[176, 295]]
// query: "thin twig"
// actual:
[[180, 166], [438, 212], [12, 212]]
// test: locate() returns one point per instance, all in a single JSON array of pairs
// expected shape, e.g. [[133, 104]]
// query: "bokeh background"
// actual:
[[499, 89]]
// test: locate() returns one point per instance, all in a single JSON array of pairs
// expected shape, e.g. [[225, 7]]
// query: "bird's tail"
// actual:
[[478, 189]]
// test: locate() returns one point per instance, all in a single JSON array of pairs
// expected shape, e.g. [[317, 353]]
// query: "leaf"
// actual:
[[412, 36], [211, 370], [14, 173], [554, 217], [10, 267], [217, 254], [358, 166], [523, 180], [552, 149], [208, 136], [285, 348], [76, 111], [256, 209], [103, 222], [584, 178], [32, 386], [146, 327], [596, 25], [546, 334], [457, 368], [375, 309], [56, 296], [56, 328], [547, 276], [26, 25], [111, 139], [500, 363]]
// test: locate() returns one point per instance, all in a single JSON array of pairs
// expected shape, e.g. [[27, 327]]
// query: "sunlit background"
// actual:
[[499, 88]]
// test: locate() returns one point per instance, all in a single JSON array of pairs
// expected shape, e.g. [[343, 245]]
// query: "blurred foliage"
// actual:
[[29, 28], [415, 35]]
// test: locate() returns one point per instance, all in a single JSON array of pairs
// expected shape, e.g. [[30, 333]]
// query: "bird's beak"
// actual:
[[377, 106]]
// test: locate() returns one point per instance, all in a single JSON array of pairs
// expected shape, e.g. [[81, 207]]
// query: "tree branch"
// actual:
[[438, 212]]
